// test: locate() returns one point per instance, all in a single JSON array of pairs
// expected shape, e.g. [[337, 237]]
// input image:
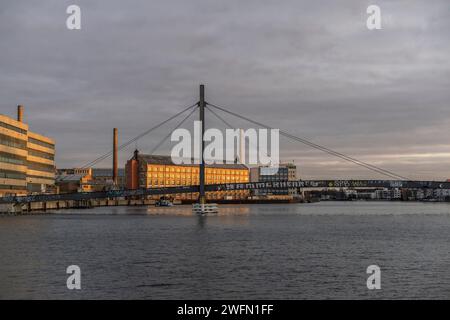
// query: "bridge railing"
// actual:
[[389, 184]]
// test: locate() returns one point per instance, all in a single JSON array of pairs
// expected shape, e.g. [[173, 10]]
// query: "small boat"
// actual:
[[163, 203]]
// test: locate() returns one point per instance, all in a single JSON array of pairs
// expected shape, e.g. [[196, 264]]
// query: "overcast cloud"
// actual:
[[309, 67]]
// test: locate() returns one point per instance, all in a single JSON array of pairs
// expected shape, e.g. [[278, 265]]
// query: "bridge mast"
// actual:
[[201, 105], [115, 157]]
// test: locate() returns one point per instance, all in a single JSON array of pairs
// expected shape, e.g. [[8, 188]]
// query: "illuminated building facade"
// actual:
[[152, 171], [284, 172], [27, 159], [40, 163], [88, 179], [74, 180]]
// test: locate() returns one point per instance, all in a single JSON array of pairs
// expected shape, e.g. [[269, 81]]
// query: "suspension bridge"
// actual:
[[390, 178]]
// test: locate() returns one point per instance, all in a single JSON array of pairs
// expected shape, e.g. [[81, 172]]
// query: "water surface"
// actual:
[[275, 251]]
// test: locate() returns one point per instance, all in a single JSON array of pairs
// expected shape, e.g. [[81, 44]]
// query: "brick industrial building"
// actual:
[[151, 171]]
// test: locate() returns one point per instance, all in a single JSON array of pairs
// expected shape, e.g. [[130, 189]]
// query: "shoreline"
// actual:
[[38, 208]]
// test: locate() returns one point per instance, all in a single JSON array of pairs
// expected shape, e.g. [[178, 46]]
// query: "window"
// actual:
[[7, 187], [41, 143], [6, 174], [40, 154], [38, 177], [13, 128], [12, 158], [40, 167], [13, 142]]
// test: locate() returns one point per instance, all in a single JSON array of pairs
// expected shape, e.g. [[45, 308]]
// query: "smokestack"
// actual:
[[115, 164], [20, 113]]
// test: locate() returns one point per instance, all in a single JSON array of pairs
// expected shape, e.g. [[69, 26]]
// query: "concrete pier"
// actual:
[[70, 204]]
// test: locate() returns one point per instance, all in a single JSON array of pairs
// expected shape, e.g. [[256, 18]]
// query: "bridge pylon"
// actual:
[[201, 104], [202, 207]]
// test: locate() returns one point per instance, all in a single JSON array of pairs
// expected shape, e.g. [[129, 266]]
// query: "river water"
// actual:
[[274, 251]]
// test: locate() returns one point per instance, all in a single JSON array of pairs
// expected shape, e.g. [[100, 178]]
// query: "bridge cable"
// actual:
[[168, 136], [316, 146], [137, 137], [229, 125], [106, 155], [226, 123], [324, 149]]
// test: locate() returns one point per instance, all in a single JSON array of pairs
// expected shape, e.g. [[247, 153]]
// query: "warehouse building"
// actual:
[[153, 171]]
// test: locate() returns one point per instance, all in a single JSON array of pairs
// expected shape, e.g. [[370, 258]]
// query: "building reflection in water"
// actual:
[[228, 214]]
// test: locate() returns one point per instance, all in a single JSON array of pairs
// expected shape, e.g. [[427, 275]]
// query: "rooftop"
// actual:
[[167, 160], [69, 177], [107, 172]]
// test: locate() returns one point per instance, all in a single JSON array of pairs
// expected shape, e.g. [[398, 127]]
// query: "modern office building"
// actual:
[[284, 172], [40, 163], [152, 171], [13, 156], [27, 159]]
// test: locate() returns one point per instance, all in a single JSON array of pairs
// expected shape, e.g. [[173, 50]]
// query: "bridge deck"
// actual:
[[230, 187]]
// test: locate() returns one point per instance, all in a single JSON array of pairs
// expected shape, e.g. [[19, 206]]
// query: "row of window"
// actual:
[[41, 154], [41, 143], [9, 187], [13, 142], [15, 159], [39, 177], [6, 174], [196, 170], [41, 167], [273, 178], [154, 182], [13, 128], [188, 176], [19, 160], [12, 158]]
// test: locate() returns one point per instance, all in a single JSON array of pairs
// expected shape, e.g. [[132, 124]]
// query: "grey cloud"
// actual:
[[309, 67]]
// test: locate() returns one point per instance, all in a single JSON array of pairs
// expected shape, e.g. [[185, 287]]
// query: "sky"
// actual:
[[311, 68]]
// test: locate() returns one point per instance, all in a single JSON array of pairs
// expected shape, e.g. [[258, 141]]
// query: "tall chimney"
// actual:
[[115, 165], [20, 113]]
